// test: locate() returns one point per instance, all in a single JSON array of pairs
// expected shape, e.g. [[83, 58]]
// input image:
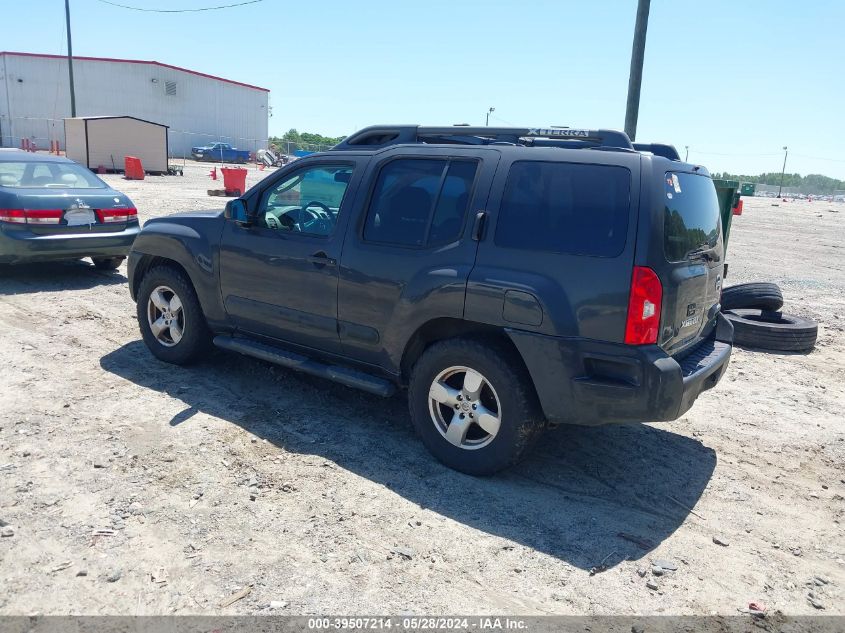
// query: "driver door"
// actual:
[[279, 275]]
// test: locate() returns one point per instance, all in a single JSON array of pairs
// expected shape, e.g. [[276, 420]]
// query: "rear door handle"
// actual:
[[320, 259], [478, 227]]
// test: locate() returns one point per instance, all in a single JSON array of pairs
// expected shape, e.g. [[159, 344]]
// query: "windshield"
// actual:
[[35, 175], [691, 219]]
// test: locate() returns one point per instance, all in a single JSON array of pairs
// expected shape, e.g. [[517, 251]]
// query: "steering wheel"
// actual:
[[295, 219], [323, 217], [317, 203]]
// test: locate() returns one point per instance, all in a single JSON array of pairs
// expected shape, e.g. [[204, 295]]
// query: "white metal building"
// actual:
[[198, 108]]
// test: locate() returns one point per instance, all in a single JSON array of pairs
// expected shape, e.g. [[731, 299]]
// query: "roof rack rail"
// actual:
[[378, 136]]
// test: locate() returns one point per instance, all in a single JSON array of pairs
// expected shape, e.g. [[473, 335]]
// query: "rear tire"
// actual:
[[760, 296], [168, 304], [773, 331], [456, 421], [107, 263]]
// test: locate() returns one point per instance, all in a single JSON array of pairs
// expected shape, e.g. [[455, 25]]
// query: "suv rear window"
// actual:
[[691, 219], [565, 208]]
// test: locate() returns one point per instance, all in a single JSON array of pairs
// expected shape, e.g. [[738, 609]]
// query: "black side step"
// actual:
[[343, 375]]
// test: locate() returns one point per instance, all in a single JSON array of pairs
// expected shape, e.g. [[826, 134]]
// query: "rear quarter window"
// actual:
[[569, 208], [691, 218]]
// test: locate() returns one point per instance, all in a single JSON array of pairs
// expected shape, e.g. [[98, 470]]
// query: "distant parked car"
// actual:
[[52, 208], [222, 152]]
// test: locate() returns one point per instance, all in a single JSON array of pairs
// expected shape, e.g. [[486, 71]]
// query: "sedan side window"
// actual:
[[306, 202]]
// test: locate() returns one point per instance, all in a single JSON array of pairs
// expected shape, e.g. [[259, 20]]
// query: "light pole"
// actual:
[[635, 79], [489, 112], [70, 60], [783, 170], [686, 158]]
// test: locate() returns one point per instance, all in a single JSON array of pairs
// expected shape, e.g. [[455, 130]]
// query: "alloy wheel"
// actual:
[[464, 407], [166, 316]]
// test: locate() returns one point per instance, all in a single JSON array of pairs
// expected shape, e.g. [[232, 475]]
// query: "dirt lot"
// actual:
[[134, 487]]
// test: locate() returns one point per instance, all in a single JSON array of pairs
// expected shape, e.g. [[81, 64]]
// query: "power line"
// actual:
[[832, 160], [696, 151], [222, 6]]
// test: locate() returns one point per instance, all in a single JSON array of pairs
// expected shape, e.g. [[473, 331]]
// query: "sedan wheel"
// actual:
[[165, 316]]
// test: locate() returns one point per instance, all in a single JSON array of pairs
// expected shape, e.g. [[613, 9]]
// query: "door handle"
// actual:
[[320, 259], [478, 227]]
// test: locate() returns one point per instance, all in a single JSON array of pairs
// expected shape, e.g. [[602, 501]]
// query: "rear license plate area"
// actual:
[[80, 217]]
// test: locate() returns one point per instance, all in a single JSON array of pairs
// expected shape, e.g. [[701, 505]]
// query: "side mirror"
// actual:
[[236, 211]]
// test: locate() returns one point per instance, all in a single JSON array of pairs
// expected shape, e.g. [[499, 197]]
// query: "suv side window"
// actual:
[[419, 202], [573, 208], [306, 202]]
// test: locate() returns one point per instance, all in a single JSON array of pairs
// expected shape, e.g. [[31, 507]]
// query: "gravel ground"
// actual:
[[128, 486]]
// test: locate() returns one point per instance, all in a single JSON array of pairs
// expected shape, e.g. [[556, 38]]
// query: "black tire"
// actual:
[[196, 337], [107, 263], [521, 420], [773, 331], [760, 296]]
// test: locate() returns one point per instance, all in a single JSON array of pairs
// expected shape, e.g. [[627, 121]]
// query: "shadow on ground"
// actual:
[[572, 498], [52, 276]]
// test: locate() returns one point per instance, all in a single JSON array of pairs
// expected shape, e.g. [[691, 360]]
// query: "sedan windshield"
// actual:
[[35, 175]]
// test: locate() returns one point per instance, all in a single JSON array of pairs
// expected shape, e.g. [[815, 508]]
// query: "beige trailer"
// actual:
[[104, 141]]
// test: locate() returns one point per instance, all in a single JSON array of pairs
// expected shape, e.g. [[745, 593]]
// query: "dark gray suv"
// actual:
[[508, 278]]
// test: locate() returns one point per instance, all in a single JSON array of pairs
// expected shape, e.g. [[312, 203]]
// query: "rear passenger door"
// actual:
[[559, 250], [408, 258]]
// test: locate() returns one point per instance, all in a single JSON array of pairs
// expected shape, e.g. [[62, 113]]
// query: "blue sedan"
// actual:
[[52, 208]]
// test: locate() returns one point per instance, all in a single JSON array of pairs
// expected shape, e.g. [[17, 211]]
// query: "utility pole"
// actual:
[[70, 60], [489, 112], [783, 170], [635, 79]]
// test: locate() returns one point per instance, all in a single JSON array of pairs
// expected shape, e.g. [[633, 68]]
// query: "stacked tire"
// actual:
[[754, 311]]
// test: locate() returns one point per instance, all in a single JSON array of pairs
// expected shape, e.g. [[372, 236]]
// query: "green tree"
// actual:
[[293, 140], [811, 184]]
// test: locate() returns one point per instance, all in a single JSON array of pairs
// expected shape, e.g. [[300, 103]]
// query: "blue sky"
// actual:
[[735, 81]]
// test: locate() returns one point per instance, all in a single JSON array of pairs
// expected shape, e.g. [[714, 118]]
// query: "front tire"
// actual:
[[473, 406], [170, 317]]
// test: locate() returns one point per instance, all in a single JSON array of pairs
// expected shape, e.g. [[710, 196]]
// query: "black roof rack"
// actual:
[[380, 136], [385, 135]]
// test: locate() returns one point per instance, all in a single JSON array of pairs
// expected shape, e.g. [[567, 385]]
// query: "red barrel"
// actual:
[[234, 180]]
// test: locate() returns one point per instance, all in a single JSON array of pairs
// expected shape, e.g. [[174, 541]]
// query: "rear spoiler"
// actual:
[[659, 149]]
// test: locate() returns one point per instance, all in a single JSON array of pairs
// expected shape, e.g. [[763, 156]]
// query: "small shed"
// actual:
[[105, 140]]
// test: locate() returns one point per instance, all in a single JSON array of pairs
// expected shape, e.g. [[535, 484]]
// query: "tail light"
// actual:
[[43, 216], [15, 216], [118, 215], [643, 322], [31, 216]]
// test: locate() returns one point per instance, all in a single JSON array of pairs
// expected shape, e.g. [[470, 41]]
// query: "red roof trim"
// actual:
[[137, 61]]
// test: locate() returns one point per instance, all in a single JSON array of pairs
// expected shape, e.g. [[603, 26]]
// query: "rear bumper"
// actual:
[[586, 382], [18, 245]]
